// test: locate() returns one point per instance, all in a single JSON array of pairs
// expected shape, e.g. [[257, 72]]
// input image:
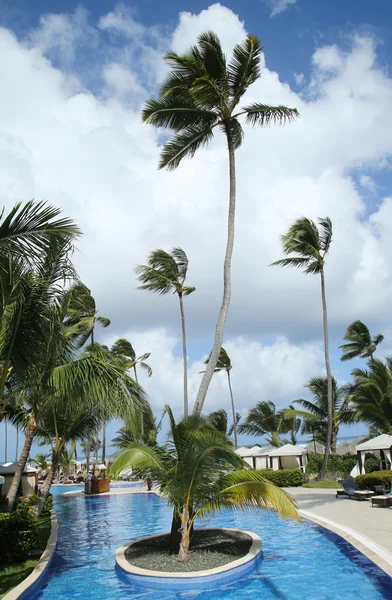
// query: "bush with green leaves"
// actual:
[[18, 535], [285, 477], [340, 465], [24, 504], [370, 480]]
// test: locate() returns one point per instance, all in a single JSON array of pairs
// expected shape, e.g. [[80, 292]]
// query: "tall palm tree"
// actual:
[[315, 412], [292, 424], [224, 364], [202, 93], [199, 472], [360, 342], [166, 272], [123, 350], [371, 395], [219, 421], [263, 419], [311, 246], [41, 462]]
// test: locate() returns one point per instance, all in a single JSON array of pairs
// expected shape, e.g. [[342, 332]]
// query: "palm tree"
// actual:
[[264, 419], [292, 424], [41, 462], [166, 272], [29, 230], [199, 472], [311, 246], [60, 376], [135, 431], [371, 395], [224, 364], [123, 350], [360, 341], [202, 93], [219, 421], [315, 413]]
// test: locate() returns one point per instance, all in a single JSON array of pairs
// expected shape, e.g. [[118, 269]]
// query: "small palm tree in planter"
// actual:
[[198, 472]]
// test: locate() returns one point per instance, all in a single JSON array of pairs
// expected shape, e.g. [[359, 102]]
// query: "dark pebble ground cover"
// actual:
[[209, 548]]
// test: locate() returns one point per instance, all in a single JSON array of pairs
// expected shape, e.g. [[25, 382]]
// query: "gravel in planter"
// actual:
[[210, 548]]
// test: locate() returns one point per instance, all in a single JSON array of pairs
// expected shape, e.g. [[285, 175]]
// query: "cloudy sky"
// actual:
[[73, 81]]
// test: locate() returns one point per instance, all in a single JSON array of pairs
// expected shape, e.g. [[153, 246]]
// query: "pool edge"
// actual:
[[41, 567], [377, 554]]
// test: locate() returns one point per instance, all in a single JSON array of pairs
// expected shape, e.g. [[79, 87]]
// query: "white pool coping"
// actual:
[[42, 564], [254, 550], [377, 554]]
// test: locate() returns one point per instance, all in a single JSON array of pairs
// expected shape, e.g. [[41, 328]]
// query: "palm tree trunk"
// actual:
[[183, 554], [134, 370], [36, 510], [17, 444], [103, 443], [233, 410], [184, 356], [88, 455], [220, 325], [5, 440], [323, 469], [142, 421], [12, 492], [334, 439]]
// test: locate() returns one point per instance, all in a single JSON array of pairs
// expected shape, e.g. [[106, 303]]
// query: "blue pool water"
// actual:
[[301, 561]]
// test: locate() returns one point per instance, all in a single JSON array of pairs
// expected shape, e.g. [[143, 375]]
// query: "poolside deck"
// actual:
[[366, 527]]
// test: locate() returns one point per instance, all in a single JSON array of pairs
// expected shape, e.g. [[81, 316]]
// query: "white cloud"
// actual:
[[90, 154], [368, 183], [278, 6], [299, 78]]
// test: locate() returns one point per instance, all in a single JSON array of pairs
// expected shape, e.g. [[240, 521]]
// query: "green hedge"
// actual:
[[24, 504], [370, 480], [285, 477], [342, 465], [18, 535]]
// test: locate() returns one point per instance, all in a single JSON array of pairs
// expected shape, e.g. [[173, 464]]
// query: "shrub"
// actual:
[[18, 535], [24, 504], [370, 480], [48, 503], [340, 466], [285, 477]]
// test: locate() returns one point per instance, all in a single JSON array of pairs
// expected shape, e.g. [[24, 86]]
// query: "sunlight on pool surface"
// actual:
[[300, 562]]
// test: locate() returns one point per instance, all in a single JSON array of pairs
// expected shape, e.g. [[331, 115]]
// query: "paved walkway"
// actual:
[[361, 524]]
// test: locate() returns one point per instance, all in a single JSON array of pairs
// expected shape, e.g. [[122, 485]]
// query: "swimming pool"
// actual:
[[301, 561]]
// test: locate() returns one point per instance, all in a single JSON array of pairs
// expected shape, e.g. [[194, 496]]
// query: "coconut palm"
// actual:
[[202, 94], [264, 419], [30, 228], [82, 316], [61, 427], [311, 245], [291, 424], [371, 395], [199, 472], [41, 462], [219, 421], [123, 350], [166, 272], [315, 411], [224, 364], [360, 342], [135, 431], [59, 376]]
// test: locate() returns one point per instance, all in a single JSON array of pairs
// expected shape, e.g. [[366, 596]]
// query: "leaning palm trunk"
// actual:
[[323, 469], [233, 410], [36, 510], [13, 491], [334, 437], [213, 359], [184, 356], [183, 554]]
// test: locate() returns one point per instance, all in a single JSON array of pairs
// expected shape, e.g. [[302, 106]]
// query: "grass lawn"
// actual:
[[327, 484], [12, 574]]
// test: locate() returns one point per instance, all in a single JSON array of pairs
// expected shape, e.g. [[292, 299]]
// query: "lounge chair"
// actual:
[[384, 500], [353, 491]]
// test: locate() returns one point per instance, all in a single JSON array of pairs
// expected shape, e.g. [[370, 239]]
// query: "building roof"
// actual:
[[288, 450], [10, 468], [255, 451], [381, 442]]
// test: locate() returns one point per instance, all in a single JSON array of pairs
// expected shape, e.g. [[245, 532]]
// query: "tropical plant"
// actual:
[[291, 424], [370, 395], [220, 421], [360, 342], [59, 375], [201, 93], [311, 246], [123, 350], [315, 413], [198, 472], [166, 272], [264, 419], [41, 462], [224, 364], [135, 432]]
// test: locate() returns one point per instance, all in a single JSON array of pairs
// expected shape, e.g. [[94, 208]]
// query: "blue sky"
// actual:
[[297, 42]]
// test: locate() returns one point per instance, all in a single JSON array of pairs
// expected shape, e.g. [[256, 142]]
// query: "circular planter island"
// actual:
[[216, 555]]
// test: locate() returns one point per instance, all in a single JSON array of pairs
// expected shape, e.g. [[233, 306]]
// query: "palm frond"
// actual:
[[244, 68], [184, 145], [264, 115], [176, 115]]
